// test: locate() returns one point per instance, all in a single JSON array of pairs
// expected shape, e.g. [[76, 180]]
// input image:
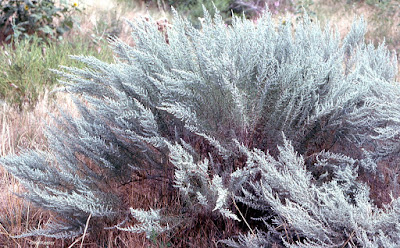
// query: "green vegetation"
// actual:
[[24, 18], [194, 8], [32, 36], [25, 68]]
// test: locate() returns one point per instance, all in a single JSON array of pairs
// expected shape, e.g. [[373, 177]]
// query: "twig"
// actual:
[[76, 241], [237, 208], [348, 240], [86, 227], [286, 232], [83, 236], [8, 234]]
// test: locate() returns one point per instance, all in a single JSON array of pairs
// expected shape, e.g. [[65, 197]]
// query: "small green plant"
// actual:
[[154, 239], [193, 9], [108, 24], [254, 8], [20, 19], [377, 2], [369, 2], [304, 6]]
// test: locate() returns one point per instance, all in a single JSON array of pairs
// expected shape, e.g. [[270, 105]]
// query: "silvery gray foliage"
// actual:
[[150, 222], [323, 213], [250, 240], [197, 188], [234, 90]]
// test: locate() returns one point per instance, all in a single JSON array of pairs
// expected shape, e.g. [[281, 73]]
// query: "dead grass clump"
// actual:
[[20, 129], [102, 19]]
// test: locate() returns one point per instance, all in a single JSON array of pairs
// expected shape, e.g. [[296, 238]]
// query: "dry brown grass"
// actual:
[[101, 19], [383, 21], [20, 129]]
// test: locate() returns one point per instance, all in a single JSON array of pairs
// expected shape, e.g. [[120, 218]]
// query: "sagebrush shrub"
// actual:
[[293, 123]]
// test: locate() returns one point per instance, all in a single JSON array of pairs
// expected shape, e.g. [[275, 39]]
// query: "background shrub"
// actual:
[[193, 9], [19, 18]]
